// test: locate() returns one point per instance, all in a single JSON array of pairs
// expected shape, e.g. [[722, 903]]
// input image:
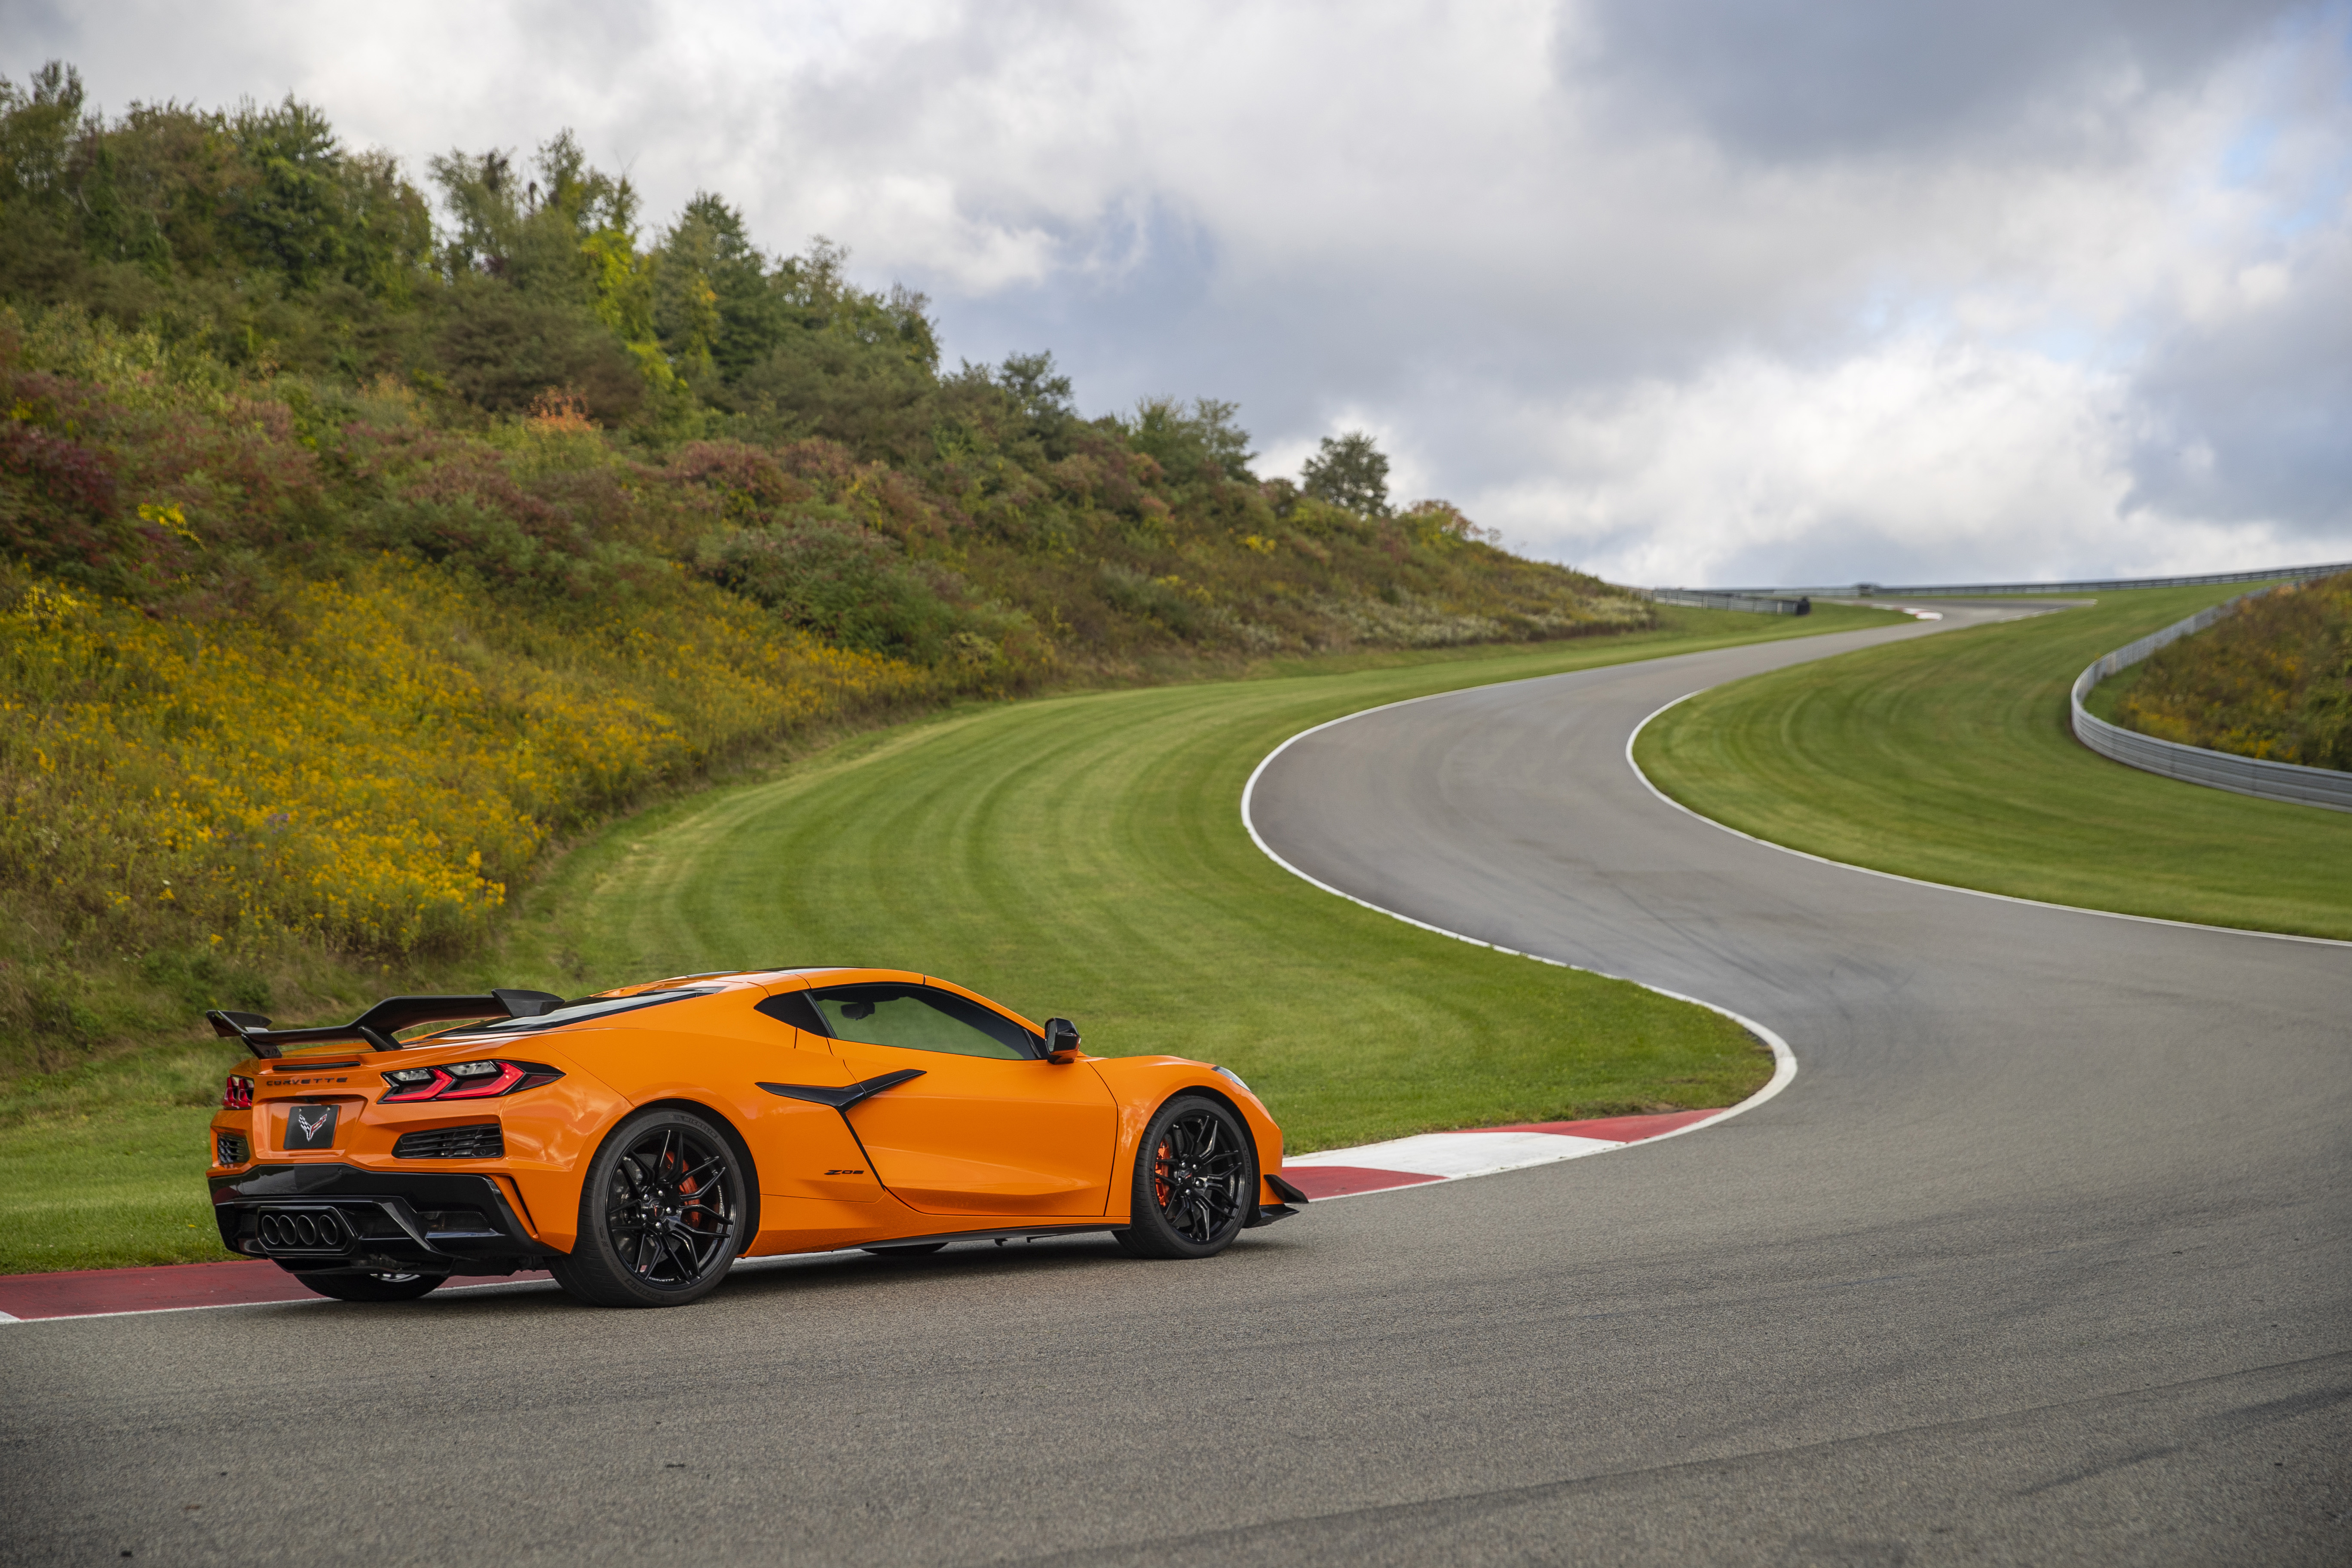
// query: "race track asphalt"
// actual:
[[2045, 1256]]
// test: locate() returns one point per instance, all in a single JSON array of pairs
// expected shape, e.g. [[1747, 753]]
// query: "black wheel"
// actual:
[[905, 1248], [1195, 1180], [372, 1286], [661, 1215]]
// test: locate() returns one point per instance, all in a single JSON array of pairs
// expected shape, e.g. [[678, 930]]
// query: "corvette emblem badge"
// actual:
[[310, 1127]]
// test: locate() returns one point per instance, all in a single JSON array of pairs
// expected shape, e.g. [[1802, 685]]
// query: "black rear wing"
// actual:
[[379, 1024]]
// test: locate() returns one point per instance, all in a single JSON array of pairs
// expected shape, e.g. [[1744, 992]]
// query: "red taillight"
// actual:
[[415, 1083], [465, 1080], [237, 1094], [509, 1075]]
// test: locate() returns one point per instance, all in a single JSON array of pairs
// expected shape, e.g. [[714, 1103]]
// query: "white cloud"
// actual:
[[1682, 289], [1917, 461]]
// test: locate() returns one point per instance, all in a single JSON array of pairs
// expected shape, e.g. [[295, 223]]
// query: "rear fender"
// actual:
[[727, 1129]]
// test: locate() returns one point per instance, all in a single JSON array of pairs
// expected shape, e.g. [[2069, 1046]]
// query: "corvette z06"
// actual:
[[636, 1143]]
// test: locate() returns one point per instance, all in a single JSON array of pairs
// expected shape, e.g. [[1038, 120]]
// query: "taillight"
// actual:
[[237, 1094], [466, 1081]]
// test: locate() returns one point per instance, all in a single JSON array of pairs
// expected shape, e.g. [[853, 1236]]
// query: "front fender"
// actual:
[[1141, 1085]]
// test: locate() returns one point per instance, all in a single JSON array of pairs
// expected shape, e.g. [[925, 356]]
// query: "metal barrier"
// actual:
[[1980, 590], [1755, 603], [2289, 781]]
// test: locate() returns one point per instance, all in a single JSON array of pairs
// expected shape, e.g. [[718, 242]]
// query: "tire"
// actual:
[[903, 1249], [661, 1214], [1195, 1182], [373, 1287]]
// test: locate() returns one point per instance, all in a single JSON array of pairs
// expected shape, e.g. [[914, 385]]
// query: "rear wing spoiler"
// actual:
[[379, 1024]]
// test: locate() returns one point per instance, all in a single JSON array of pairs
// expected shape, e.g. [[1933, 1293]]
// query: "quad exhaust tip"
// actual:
[[302, 1230]]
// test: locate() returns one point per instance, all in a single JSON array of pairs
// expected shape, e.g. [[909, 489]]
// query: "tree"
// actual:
[[718, 309], [39, 125], [1188, 442], [1349, 470], [1044, 395]]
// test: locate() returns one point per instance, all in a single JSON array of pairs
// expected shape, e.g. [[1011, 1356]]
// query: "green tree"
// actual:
[[290, 215], [1192, 442], [39, 123], [1349, 470], [567, 244], [718, 308]]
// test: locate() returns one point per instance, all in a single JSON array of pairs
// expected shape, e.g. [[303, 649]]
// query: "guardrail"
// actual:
[[1755, 603], [2088, 586], [2259, 776]]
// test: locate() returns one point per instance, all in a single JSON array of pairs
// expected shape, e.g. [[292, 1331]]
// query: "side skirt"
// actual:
[[999, 1236]]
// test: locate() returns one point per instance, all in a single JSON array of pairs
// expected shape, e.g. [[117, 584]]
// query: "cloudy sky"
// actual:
[[1681, 291]]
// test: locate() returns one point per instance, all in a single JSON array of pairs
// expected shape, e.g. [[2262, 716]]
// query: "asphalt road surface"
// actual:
[[2042, 1259]]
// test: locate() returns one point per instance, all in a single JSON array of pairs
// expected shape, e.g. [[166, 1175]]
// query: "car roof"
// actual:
[[778, 979], [763, 978]]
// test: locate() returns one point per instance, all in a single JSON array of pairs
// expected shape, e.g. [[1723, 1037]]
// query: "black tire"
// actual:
[[1195, 1182], [905, 1248], [373, 1287], [661, 1214]]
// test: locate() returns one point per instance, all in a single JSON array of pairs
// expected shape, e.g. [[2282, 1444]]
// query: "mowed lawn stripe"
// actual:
[[1084, 855], [1950, 759]]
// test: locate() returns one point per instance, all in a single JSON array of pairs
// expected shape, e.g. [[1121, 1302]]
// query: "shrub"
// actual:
[[846, 583], [2271, 680], [370, 763]]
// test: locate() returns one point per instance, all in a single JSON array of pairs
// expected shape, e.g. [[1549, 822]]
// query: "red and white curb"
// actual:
[[1478, 1151], [167, 1287]]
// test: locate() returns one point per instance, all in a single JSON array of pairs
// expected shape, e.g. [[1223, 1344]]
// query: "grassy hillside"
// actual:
[[2273, 678], [348, 564], [1076, 854], [1950, 759]]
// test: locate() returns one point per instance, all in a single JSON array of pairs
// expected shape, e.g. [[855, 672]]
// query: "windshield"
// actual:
[[587, 1007]]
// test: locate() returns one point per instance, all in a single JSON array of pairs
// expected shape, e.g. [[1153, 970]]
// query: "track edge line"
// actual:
[[1784, 1059], [1920, 881]]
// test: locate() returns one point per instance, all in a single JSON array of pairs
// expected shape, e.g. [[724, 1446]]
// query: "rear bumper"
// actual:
[[341, 1219]]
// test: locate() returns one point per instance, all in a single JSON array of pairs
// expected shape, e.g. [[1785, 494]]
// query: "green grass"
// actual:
[[1081, 855], [103, 1165], [1949, 759]]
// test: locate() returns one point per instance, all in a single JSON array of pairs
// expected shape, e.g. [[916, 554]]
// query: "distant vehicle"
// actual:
[[636, 1143]]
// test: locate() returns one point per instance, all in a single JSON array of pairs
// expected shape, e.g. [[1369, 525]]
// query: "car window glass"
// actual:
[[794, 1008], [919, 1018]]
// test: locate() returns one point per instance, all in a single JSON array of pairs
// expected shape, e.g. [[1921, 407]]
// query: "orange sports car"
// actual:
[[636, 1143]]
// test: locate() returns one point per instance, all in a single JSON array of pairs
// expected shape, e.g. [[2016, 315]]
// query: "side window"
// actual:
[[919, 1018], [793, 1007]]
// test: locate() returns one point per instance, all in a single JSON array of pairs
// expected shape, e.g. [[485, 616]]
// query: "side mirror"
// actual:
[[1061, 1041]]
